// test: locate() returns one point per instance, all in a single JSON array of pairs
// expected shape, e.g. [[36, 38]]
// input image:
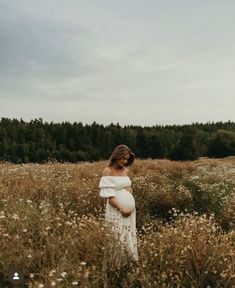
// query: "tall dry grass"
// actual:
[[52, 226]]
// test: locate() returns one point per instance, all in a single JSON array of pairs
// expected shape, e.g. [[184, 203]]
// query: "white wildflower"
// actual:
[[83, 263], [15, 217], [52, 272], [53, 283], [64, 274]]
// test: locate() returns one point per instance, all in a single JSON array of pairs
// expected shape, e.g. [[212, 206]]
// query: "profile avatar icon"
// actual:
[[15, 275]]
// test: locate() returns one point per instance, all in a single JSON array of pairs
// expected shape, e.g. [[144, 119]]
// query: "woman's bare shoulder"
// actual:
[[107, 171]]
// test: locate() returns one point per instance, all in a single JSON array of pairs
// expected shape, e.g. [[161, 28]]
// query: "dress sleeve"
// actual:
[[107, 187]]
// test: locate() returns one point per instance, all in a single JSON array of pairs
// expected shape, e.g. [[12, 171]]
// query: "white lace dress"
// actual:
[[125, 227]]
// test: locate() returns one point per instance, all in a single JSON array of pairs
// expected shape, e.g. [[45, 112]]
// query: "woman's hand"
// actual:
[[128, 188], [126, 212]]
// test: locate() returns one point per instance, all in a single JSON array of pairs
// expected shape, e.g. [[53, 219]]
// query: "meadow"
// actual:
[[52, 225]]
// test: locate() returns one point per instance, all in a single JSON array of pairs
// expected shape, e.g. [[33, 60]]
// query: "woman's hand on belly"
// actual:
[[125, 204], [126, 212]]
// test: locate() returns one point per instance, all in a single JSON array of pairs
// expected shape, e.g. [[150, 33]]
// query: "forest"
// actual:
[[39, 141]]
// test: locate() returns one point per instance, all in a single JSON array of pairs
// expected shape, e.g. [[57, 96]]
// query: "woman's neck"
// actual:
[[118, 170], [117, 167]]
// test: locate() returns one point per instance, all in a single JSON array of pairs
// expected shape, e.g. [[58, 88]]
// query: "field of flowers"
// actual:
[[52, 225]]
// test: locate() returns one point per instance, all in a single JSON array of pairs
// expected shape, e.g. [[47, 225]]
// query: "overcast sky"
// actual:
[[142, 62]]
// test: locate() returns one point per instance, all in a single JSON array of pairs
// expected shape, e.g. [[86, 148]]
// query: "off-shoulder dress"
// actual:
[[124, 227]]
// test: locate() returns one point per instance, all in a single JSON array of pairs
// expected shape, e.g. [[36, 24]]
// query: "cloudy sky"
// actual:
[[142, 62]]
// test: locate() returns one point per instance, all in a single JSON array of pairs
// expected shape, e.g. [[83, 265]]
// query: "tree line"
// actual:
[[39, 141]]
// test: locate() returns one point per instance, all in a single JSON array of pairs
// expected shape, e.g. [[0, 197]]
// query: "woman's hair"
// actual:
[[118, 152]]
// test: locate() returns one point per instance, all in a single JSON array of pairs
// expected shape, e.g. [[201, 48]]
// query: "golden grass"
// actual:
[[51, 224]]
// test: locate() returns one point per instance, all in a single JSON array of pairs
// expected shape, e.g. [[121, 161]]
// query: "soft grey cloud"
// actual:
[[132, 62]]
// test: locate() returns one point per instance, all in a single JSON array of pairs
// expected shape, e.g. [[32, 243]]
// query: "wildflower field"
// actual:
[[52, 225]]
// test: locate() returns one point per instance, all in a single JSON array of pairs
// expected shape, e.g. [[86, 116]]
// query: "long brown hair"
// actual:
[[118, 152]]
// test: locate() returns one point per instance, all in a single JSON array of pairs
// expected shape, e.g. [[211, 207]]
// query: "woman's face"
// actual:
[[122, 161]]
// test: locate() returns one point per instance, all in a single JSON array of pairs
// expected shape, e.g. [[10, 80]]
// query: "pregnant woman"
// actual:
[[115, 185]]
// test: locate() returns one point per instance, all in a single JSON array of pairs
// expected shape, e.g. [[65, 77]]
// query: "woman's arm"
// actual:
[[113, 201], [125, 211]]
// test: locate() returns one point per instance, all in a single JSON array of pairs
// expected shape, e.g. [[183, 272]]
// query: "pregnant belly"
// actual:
[[125, 198]]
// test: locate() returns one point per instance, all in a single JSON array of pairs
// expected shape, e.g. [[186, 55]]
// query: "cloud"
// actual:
[[38, 55], [140, 61]]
